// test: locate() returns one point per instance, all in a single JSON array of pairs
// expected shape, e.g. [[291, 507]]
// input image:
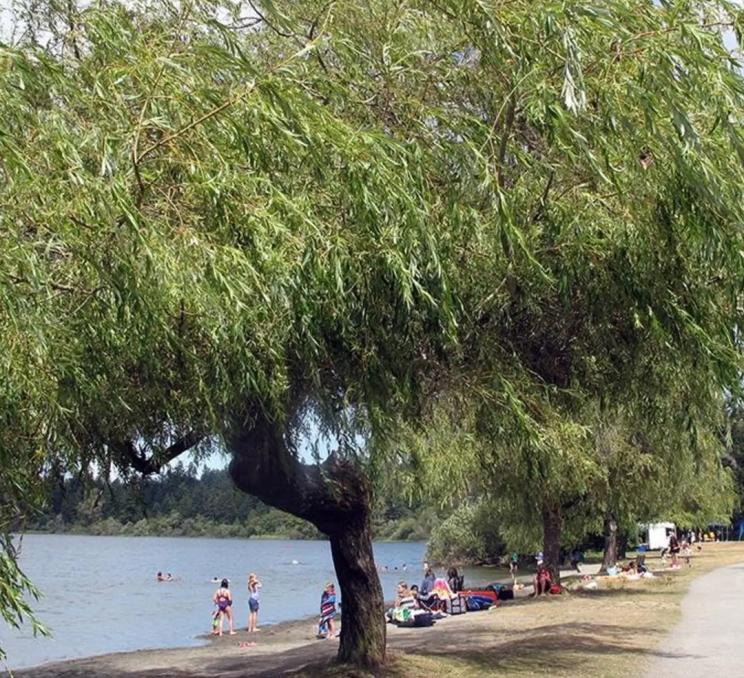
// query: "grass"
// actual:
[[612, 632]]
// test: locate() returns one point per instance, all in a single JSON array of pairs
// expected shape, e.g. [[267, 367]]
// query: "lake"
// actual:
[[100, 593]]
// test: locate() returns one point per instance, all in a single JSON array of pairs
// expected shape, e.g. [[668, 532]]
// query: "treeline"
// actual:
[[183, 502]]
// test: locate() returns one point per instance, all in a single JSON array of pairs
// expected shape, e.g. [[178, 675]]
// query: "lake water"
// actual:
[[100, 593]]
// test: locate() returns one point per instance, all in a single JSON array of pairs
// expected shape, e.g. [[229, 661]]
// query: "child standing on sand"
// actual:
[[223, 600], [327, 611], [253, 586]]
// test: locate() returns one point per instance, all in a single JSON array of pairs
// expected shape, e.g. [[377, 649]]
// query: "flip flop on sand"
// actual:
[[246, 644]]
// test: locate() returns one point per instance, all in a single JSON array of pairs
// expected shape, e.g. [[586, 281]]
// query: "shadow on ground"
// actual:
[[552, 648]]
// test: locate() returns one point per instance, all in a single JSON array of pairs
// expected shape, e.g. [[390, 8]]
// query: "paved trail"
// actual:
[[708, 640]]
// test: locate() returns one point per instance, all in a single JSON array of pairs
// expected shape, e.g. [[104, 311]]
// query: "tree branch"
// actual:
[[329, 495], [132, 456]]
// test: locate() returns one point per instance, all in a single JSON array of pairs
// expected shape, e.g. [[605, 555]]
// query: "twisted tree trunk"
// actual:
[[335, 496]]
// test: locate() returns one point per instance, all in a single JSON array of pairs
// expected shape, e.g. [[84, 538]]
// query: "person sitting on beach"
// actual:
[[327, 611], [159, 577], [428, 583], [223, 600], [455, 580], [253, 586], [543, 581], [420, 603], [404, 597], [631, 567]]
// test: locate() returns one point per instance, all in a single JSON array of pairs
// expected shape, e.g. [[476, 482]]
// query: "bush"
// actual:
[[468, 536]]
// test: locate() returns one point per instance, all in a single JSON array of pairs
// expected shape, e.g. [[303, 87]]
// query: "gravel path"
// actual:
[[708, 639]]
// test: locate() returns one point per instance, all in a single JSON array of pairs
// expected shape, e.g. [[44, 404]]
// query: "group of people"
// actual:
[[434, 593], [223, 601], [675, 548]]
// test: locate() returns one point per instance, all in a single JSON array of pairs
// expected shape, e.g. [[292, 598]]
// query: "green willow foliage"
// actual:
[[355, 207]]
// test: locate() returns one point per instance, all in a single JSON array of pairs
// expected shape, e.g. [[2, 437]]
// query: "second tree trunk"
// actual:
[[552, 528]]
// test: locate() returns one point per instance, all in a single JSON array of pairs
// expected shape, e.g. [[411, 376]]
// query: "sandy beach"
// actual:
[[266, 652]]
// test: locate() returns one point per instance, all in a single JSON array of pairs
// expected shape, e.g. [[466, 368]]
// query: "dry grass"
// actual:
[[610, 632]]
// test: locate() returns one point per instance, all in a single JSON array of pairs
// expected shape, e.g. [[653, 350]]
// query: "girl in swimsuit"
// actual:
[[223, 600]]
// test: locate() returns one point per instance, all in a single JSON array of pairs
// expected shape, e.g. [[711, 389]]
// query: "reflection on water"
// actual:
[[100, 593]]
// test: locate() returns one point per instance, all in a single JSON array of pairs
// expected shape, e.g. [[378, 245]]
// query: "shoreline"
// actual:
[[279, 637], [269, 640], [613, 631]]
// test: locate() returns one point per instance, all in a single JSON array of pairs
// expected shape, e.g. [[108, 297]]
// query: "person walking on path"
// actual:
[[223, 600], [674, 548], [253, 586], [514, 566]]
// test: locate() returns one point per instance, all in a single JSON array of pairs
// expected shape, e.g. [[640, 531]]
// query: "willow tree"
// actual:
[[196, 246], [603, 139], [217, 220]]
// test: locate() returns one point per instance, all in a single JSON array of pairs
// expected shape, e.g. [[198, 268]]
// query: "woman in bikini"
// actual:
[[223, 600]]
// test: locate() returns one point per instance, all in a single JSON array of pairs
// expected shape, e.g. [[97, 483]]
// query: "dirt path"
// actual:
[[707, 641]]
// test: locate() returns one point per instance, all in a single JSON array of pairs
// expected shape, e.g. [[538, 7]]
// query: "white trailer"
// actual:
[[658, 535]]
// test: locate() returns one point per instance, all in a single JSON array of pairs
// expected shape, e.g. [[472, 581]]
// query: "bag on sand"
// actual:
[[457, 605]]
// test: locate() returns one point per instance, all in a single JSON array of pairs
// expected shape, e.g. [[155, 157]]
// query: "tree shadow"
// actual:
[[547, 649]]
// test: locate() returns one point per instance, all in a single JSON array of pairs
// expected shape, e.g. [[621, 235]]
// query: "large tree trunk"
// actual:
[[335, 496], [362, 620], [552, 528], [609, 559]]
